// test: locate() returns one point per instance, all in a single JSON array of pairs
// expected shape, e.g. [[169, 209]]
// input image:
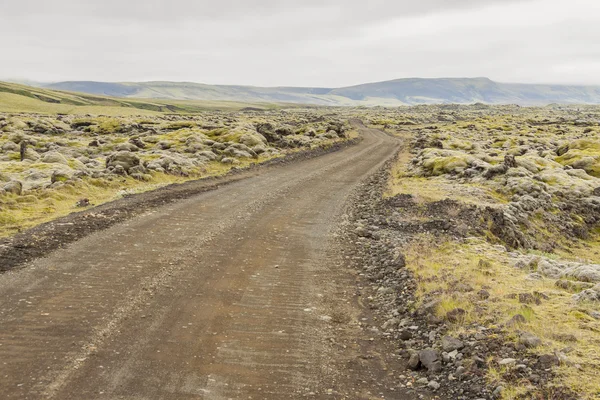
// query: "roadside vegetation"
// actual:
[[510, 261], [52, 165]]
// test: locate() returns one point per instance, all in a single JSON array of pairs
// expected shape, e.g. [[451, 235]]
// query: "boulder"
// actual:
[[138, 143], [14, 187], [331, 134], [529, 340], [414, 361], [456, 315], [430, 359], [61, 175], [252, 140], [126, 147], [32, 155], [284, 130], [450, 344], [124, 159], [54, 157], [547, 361], [164, 145], [208, 155], [228, 160], [588, 295], [260, 149], [10, 146]]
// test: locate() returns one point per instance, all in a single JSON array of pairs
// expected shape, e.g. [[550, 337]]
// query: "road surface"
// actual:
[[223, 295]]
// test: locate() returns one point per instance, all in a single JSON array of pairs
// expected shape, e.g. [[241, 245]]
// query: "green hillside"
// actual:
[[21, 98]]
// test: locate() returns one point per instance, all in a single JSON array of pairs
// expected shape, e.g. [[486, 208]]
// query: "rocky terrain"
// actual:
[[481, 250], [51, 164], [476, 250]]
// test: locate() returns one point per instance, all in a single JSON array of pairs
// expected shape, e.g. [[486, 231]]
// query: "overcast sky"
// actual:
[[327, 43]]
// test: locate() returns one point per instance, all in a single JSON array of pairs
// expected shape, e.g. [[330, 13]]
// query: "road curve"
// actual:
[[214, 297]]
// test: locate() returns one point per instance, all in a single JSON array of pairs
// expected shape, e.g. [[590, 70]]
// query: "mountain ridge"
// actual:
[[397, 92]]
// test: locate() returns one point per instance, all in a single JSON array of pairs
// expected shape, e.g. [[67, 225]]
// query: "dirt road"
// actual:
[[225, 295]]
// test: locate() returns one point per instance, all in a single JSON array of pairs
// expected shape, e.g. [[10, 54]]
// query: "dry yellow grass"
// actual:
[[436, 266], [21, 212]]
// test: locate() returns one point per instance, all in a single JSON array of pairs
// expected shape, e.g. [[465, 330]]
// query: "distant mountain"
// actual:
[[390, 93]]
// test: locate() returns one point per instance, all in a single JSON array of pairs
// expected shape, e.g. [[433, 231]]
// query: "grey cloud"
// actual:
[[310, 43], [173, 10]]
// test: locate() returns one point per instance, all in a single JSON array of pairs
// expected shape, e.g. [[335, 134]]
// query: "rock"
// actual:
[[259, 149], [565, 337], [31, 154], [507, 361], [10, 146], [498, 392], [588, 295], [164, 145], [54, 157], [252, 140], [516, 320], [414, 360], [463, 287], [406, 335], [547, 361], [61, 175], [529, 340], [126, 147], [429, 358], [138, 143], [433, 385], [119, 170], [138, 169], [596, 192], [483, 294], [361, 231], [123, 159], [450, 344], [400, 261], [14, 187], [208, 155], [573, 286], [528, 298], [82, 203], [422, 381], [510, 161], [431, 306], [456, 315], [141, 177], [331, 134], [229, 160]]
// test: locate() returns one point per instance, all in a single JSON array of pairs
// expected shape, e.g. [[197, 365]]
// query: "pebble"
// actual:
[[433, 385]]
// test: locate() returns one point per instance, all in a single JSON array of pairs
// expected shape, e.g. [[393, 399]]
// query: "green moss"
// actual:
[[110, 126], [587, 159], [445, 165], [180, 125]]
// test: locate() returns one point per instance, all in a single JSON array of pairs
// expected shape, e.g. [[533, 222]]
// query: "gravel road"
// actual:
[[224, 295]]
